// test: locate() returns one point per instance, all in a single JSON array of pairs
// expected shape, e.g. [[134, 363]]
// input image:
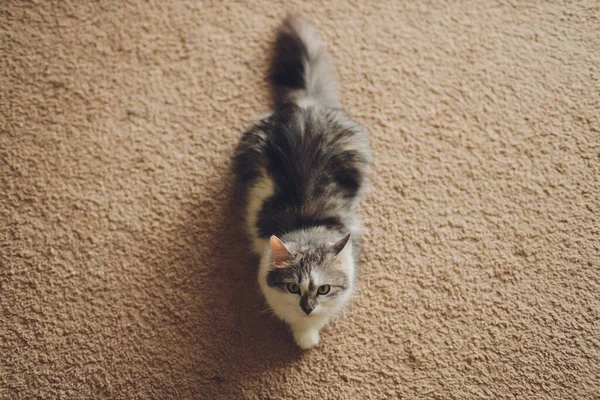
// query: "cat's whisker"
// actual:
[[266, 311]]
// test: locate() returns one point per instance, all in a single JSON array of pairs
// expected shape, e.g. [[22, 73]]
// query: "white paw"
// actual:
[[307, 338]]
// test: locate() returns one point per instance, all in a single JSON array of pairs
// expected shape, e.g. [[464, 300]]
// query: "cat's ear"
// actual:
[[339, 246], [280, 252]]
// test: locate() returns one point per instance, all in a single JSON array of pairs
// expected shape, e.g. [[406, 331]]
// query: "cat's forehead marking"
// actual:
[[304, 283], [311, 260], [316, 277]]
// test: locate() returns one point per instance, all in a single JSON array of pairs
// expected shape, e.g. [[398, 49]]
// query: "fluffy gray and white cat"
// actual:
[[302, 170]]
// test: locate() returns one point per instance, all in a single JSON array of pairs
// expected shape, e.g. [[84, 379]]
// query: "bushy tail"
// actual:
[[301, 68]]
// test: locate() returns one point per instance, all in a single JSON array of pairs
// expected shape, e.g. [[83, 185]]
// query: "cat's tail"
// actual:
[[301, 68]]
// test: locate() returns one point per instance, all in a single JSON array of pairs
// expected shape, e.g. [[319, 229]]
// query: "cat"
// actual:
[[302, 171]]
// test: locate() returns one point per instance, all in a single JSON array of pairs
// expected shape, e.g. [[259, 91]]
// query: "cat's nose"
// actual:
[[307, 310]]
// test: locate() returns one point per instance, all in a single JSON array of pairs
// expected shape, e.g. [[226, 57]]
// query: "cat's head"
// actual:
[[309, 281]]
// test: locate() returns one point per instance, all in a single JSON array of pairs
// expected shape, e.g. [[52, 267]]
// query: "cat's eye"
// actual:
[[293, 288], [323, 289]]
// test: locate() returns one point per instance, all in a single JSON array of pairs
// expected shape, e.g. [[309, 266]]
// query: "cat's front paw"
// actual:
[[307, 338]]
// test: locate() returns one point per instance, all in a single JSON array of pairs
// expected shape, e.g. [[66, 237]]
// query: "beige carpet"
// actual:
[[123, 269]]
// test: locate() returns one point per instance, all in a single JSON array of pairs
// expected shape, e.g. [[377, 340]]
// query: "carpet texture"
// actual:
[[124, 272]]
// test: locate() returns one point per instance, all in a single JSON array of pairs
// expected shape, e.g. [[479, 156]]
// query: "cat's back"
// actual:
[[301, 166], [305, 150]]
